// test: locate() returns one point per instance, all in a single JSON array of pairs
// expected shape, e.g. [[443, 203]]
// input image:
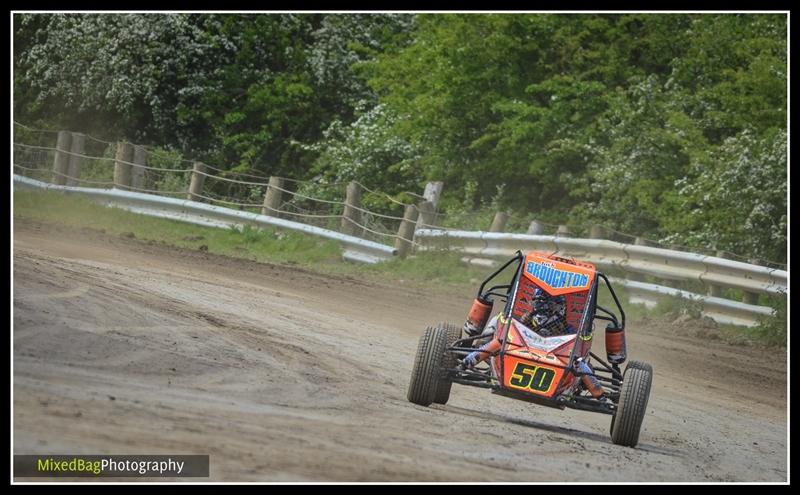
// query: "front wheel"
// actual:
[[428, 365], [449, 361], [640, 365], [632, 405]]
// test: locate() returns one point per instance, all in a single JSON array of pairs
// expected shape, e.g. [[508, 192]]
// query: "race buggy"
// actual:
[[524, 361]]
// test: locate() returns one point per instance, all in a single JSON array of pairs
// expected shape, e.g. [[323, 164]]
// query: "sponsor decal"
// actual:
[[556, 279]]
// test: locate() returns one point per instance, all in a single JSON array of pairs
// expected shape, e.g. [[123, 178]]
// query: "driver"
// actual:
[[548, 318], [549, 315]]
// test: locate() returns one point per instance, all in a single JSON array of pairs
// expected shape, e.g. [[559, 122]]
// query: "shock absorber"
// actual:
[[616, 350], [478, 316]]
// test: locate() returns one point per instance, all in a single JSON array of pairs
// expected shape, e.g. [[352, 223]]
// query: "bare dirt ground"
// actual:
[[280, 374]]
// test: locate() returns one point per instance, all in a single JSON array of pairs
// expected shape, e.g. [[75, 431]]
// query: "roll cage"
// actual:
[[610, 376]]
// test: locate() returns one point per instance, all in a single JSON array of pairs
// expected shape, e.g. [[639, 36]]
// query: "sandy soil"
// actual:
[[281, 374]]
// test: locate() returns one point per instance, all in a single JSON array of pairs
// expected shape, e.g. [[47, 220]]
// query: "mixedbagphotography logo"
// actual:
[[140, 466]]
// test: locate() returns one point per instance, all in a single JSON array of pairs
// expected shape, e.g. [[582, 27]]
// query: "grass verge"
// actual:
[[256, 244], [432, 270], [249, 243]]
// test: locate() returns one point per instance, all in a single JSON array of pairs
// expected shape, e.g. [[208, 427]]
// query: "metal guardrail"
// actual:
[[481, 248], [658, 262], [716, 308], [355, 249]]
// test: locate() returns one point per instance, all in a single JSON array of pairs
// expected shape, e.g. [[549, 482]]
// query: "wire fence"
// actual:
[[96, 163], [377, 216]]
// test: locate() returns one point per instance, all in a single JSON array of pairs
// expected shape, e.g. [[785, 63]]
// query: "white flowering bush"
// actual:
[[368, 151], [737, 200]]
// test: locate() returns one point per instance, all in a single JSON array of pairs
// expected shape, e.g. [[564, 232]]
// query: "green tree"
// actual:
[[239, 90], [670, 126]]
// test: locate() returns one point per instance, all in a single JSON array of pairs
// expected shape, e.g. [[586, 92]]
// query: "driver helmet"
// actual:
[[548, 309]]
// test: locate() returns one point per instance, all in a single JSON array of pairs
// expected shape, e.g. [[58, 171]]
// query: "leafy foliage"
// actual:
[[671, 126], [367, 150], [668, 126]]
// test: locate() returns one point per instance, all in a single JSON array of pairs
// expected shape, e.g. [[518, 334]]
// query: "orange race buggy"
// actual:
[[556, 371]]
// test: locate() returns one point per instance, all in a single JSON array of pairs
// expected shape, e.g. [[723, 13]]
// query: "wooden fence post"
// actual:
[[406, 231], [427, 215], [351, 217], [597, 232], [137, 172], [563, 231], [75, 161], [499, 221], [196, 184], [713, 289], [535, 228], [750, 297], [61, 160], [747, 296], [272, 198], [432, 192], [638, 277], [122, 167]]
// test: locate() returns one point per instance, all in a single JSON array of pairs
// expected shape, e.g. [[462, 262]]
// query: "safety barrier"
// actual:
[[355, 249], [483, 248], [716, 308], [645, 260]]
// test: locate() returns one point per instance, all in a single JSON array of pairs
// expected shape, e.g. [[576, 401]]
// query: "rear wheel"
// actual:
[[449, 361], [627, 421], [426, 375]]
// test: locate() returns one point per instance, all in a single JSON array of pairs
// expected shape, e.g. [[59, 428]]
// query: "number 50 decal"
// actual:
[[531, 377]]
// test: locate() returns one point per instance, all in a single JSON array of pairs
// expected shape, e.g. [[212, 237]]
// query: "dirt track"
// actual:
[[284, 375]]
